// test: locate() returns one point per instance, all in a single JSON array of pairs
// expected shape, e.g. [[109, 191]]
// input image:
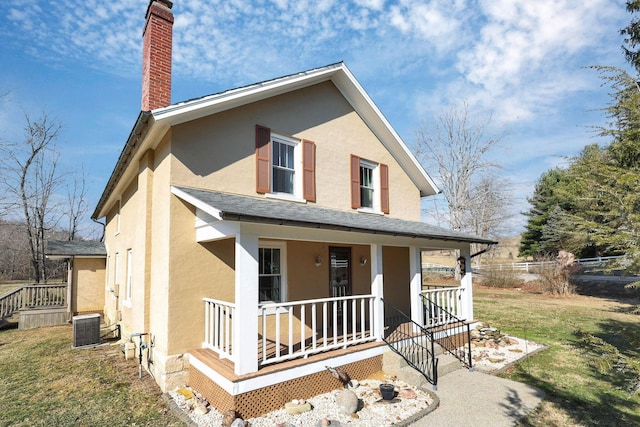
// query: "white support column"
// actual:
[[245, 322], [377, 290], [467, 304], [415, 273]]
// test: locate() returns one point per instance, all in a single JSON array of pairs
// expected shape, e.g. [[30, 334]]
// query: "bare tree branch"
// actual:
[[456, 151], [32, 176]]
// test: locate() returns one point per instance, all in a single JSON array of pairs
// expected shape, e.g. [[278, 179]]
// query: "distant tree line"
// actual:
[[592, 207], [15, 256]]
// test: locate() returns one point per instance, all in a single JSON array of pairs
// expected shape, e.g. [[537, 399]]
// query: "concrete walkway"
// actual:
[[478, 399]]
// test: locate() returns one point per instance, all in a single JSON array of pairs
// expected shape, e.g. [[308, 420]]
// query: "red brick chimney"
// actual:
[[156, 55]]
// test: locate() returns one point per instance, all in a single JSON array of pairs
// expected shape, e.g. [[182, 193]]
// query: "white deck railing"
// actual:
[[218, 327], [448, 298], [300, 328]]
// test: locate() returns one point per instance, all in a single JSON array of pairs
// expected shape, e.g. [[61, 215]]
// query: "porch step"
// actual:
[[394, 364]]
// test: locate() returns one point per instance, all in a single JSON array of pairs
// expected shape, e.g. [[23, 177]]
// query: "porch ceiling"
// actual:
[[233, 207]]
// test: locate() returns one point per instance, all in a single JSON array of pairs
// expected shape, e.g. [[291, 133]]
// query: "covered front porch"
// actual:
[[312, 287], [297, 341], [299, 329]]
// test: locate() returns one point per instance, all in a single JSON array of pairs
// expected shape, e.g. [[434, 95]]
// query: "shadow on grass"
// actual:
[[6, 325], [603, 410], [609, 356], [625, 336], [610, 288]]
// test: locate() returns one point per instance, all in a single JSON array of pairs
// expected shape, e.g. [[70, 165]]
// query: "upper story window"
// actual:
[[369, 186], [285, 166]]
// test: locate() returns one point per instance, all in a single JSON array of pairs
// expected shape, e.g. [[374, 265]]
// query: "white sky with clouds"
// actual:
[[521, 62]]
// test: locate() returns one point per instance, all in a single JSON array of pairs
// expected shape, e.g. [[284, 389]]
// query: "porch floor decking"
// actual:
[[225, 367]]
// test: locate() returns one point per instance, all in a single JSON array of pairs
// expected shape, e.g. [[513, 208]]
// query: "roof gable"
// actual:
[[151, 126]]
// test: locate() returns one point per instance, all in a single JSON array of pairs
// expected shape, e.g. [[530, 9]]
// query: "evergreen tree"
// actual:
[[631, 47], [544, 200]]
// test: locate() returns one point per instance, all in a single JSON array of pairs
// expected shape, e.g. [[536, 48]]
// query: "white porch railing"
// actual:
[[218, 327], [448, 298], [301, 328]]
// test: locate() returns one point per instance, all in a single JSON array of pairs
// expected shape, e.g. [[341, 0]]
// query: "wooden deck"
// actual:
[[225, 367]]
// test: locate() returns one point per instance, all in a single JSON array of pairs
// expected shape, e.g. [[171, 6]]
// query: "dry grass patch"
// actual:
[[43, 382]]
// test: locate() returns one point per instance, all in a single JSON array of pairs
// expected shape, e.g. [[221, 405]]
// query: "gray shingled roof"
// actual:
[[234, 207], [66, 248]]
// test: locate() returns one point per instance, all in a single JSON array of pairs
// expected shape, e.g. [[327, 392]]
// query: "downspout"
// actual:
[[70, 267], [104, 227]]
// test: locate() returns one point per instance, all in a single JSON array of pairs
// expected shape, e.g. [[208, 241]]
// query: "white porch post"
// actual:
[[245, 323], [465, 282], [377, 290], [415, 273]]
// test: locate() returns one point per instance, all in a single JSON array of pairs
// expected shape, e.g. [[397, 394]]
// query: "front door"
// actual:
[[339, 271]]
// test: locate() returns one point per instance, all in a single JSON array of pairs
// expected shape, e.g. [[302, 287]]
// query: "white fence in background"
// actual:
[[528, 267]]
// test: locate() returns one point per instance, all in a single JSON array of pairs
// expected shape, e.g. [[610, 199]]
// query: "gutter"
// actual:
[[130, 148]]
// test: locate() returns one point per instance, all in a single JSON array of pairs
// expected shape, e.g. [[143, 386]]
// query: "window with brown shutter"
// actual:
[[369, 186], [285, 166]]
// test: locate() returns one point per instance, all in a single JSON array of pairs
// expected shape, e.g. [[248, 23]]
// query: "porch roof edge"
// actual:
[[234, 207]]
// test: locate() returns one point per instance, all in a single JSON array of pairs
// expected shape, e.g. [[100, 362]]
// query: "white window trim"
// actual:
[[118, 217], [108, 273], [128, 280], [375, 167], [285, 196], [297, 168], [116, 273], [283, 271]]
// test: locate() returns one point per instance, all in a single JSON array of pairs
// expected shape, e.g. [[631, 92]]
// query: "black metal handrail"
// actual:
[[451, 336], [411, 341]]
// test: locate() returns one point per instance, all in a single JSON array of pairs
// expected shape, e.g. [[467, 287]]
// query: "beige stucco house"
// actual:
[[257, 235]]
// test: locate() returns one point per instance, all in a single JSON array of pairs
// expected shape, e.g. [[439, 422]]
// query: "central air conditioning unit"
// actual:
[[86, 330]]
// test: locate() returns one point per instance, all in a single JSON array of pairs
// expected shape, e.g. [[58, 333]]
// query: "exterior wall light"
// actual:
[[318, 261], [363, 261]]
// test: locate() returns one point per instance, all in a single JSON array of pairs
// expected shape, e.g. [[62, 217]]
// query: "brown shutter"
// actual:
[[384, 188], [309, 170], [263, 159], [355, 182]]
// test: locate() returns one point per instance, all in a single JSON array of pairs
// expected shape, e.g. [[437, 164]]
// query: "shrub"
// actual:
[[557, 280], [501, 279]]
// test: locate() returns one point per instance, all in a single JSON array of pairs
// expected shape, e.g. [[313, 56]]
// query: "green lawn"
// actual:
[[582, 390], [43, 382]]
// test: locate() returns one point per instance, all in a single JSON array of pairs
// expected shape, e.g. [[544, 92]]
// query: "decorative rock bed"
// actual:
[[492, 351], [409, 404]]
